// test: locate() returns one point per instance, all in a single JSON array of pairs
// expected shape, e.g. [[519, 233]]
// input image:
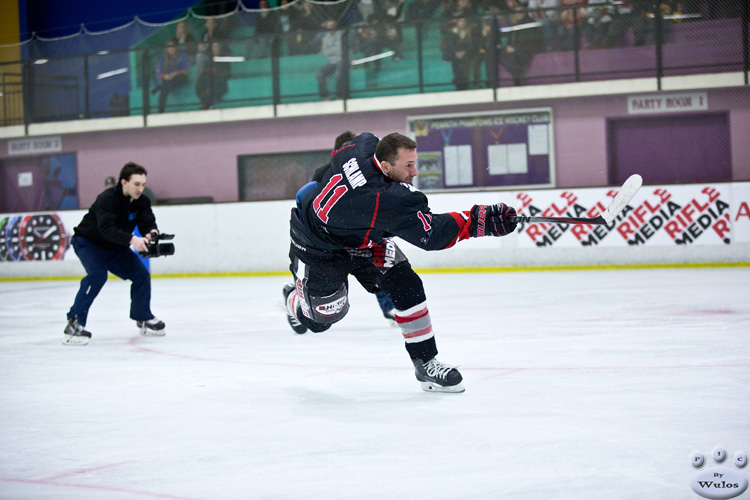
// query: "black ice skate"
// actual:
[[438, 377], [152, 327], [75, 334], [298, 327]]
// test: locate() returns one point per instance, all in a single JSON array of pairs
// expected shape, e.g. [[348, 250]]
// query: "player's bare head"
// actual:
[[343, 139], [398, 157], [388, 147], [129, 169]]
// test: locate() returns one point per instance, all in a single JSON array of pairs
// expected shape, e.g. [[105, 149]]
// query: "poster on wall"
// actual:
[[474, 150], [697, 214]]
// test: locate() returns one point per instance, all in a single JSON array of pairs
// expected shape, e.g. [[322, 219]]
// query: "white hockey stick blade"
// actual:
[[626, 193]]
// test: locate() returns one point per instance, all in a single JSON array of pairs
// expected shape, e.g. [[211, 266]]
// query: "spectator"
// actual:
[[266, 26], [109, 182], [421, 10], [212, 83], [450, 11], [213, 32], [485, 54], [550, 19], [171, 72], [304, 21], [667, 8], [365, 9], [625, 16], [460, 44], [284, 26], [370, 42], [519, 46], [569, 19], [331, 46], [185, 41], [598, 18], [393, 11]]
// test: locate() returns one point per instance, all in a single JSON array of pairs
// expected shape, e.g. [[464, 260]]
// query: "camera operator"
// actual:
[[102, 241]]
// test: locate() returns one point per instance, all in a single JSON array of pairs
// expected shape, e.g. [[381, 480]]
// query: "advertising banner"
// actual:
[[697, 214], [37, 236]]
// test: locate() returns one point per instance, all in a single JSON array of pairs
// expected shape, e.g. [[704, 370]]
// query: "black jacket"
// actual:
[[111, 219], [356, 205]]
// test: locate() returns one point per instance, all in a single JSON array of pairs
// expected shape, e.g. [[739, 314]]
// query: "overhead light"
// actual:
[[383, 55], [229, 59], [681, 16], [674, 16], [111, 73], [41, 61], [517, 27], [102, 53]]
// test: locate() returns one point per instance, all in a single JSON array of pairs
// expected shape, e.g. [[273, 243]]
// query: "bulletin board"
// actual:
[[484, 150]]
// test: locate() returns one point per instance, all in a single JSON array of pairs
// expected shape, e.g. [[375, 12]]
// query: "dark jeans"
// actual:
[[329, 69], [123, 263], [166, 86]]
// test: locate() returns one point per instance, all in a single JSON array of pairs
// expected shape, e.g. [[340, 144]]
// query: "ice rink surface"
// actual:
[[579, 385]]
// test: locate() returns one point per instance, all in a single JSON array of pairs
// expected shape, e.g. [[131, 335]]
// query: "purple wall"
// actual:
[[201, 160]]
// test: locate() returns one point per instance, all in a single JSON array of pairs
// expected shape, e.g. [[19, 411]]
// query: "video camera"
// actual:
[[156, 249]]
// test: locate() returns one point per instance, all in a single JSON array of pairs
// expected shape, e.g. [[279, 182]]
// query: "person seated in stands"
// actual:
[[331, 46], [171, 72], [550, 19], [370, 41], [212, 83], [393, 12], [598, 19], [460, 42], [568, 19], [518, 47], [485, 54], [450, 12], [421, 10], [266, 25], [305, 20], [213, 32], [284, 26], [185, 41], [625, 16]]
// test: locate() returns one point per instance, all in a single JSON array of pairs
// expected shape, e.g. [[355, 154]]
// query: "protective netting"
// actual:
[[306, 51]]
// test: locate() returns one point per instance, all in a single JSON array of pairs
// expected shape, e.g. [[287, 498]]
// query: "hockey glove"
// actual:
[[491, 220]]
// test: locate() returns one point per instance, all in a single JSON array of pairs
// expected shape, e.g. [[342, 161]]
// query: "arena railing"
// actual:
[[407, 58]]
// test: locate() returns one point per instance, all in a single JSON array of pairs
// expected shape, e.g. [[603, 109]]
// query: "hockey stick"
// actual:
[[626, 193]]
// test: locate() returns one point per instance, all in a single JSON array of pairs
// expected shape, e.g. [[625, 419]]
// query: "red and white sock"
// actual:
[[415, 323]]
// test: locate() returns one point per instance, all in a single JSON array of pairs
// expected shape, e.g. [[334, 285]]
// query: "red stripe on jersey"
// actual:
[[372, 222], [418, 333], [341, 148]]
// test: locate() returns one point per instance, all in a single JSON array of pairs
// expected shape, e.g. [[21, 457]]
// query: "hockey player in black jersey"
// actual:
[[345, 224], [368, 277]]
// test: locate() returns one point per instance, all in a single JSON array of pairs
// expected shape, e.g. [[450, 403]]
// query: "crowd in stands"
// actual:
[[475, 35]]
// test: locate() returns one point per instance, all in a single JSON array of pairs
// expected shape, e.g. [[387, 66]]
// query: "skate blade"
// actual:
[[153, 333], [75, 340], [433, 387]]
